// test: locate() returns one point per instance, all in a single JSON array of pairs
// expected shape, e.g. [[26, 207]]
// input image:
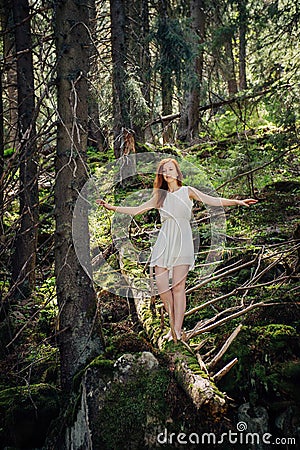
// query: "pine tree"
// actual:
[[24, 261], [79, 338]]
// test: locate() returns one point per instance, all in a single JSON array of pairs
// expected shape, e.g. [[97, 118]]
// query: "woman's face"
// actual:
[[169, 171]]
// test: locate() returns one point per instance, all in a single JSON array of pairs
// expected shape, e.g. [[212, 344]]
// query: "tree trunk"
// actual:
[[80, 334], [9, 72], [166, 95], [144, 54], [167, 84], [189, 123], [226, 60], [242, 43], [1, 157], [137, 32], [24, 261], [96, 136], [119, 58], [229, 72]]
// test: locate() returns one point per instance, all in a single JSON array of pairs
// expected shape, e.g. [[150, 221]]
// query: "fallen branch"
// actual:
[[217, 275], [202, 364], [198, 387], [195, 332], [225, 347], [225, 370], [213, 105], [245, 287], [255, 169]]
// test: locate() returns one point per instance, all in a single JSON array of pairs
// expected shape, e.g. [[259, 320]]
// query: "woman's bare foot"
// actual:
[[169, 337], [178, 335]]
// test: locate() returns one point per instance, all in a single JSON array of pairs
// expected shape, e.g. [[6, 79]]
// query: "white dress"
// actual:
[[174, 245]]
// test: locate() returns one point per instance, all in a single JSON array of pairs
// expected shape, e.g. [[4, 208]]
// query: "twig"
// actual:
[[268, 163], [199, 346], [234, 316], [225, 347], [220, 275], [254, 275], [225, 370], [201, 363]]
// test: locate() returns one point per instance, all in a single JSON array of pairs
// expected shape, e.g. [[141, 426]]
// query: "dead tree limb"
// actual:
[[255, 169], [225, 370], [201, 363], [198, 387], [205, 329], [212, 105], [216, 276], [224, 348]]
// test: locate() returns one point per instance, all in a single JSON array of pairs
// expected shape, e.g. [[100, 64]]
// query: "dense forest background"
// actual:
[[82, 84]]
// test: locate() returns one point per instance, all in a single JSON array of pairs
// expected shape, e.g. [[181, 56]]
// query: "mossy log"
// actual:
[[183, 362], [197, 384]]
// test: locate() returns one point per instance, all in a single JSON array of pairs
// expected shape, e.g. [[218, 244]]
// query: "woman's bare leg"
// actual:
[[165, 293], [179, 298]]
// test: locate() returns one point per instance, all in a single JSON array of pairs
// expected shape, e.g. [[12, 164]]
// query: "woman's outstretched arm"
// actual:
[[131, 210], [218, 201]]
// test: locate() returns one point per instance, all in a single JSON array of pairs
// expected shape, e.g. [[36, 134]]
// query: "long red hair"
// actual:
[[160, 185]]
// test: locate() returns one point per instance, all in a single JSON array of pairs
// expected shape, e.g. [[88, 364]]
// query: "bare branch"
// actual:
[[225, 370], [225, 347]]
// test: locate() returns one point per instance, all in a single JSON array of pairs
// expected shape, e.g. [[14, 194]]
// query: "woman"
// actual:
[[173, 252]]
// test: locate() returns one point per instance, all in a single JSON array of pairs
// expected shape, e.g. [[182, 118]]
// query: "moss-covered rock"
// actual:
[[116, 405], [135, 410]]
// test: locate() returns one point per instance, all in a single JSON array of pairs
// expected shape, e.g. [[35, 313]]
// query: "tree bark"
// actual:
[[1, 157], [24, 260], [242, 5], [144, 54], [97, 137], [80, 333], [10, 73], [225, 61], [189, 124], [121, 115], [166, 80], [229, 70], [137, 32], [166, 95]]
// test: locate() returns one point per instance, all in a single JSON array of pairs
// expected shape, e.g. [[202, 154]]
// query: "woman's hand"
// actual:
[[247, 202], [106, 205]]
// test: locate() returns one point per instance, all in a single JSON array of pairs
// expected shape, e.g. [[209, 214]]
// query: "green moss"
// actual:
[[126, 342], [130, 407], [106, 365], [100, 361], [265, 354]]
